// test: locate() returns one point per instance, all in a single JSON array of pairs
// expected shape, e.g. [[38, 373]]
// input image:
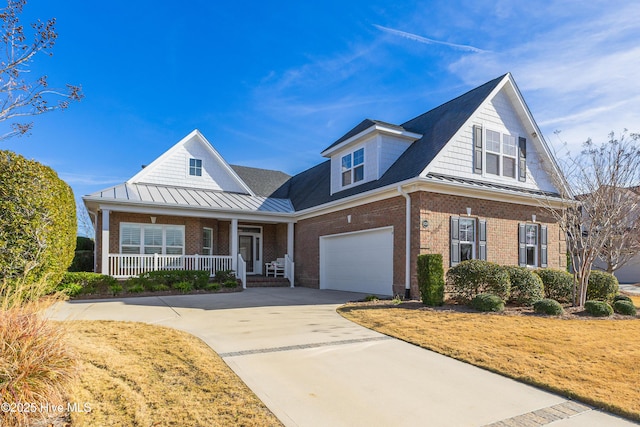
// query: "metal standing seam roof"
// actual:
[[191, 197]]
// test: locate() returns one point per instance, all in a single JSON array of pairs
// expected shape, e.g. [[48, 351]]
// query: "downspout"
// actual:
[[407, 241]]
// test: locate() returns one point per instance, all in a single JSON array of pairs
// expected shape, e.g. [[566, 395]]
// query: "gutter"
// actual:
[[407, 238]]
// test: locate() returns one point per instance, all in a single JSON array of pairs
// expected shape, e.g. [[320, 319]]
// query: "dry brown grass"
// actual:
[[595, 361], [139, 374]]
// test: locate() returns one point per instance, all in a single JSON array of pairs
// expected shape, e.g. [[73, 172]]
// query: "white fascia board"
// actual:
[[377, 128], [198, 212], [139, 177]]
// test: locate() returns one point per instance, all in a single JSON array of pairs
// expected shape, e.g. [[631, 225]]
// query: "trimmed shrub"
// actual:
[[548, 306], [115, 289], [198, 279], [598, 308], [136, 289], [487, 302], [213, 286], [602, 286], [184, 287], [37, 221], [558, 284], [470, 278], [526, 286], [83, 257], [83, 283], [624, 307], [621, 297], [223, 276], [431, 279], [231, 283]]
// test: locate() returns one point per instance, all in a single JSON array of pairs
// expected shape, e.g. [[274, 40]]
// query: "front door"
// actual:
[[250, 247]]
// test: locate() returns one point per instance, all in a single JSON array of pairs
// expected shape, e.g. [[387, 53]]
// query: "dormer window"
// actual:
[[195, 167], [353, 167]]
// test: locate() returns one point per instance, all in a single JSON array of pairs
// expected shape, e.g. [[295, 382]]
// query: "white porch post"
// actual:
[[234, 245], [290, 239], [105, 241]]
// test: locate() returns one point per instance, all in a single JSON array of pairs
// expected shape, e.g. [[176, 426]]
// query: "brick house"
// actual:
[[466, 179]]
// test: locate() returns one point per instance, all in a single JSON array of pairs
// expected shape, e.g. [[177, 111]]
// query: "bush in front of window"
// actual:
[[431, 279], [558, 284], [487, 302], [624, 307], [598, 308], [526, 286], [548, 306], [602, 286], [472, 277]]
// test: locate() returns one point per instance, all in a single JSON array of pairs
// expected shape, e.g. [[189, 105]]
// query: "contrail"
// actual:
[[425, 40]]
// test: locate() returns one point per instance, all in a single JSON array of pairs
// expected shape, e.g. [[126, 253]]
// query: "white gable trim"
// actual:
[[195, 135], [376, 128], [535, 135]]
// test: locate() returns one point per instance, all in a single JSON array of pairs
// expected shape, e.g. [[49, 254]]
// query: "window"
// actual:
[[151, 239], [532, 250], [493, 152], [509, 156], [195, 167], [468, 239], [207, 241], [353, 167]]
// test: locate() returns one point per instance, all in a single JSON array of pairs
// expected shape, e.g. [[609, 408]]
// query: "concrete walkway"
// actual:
[[311, 367]]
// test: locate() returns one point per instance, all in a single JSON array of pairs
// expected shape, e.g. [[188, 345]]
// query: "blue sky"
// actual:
[[271, 84]]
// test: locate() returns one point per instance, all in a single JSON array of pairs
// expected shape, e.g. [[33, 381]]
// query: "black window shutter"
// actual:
[[482, 239], [455, 240], [477, 149], [522, 248], [522, 159], [543, 246]]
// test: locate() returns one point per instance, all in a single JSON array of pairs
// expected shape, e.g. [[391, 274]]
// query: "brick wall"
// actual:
[[502, 232]]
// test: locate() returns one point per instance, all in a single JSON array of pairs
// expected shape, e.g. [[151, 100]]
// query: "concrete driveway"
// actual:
[[311, 367]]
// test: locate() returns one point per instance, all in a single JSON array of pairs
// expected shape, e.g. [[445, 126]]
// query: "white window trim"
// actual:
[[164, 236], [352, 169], [501, 155], [536, 246], [207, 245], [196, 168], [466, 242]]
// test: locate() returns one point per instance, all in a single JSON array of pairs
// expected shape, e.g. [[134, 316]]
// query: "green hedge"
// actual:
[[598, 308], [431, 279], [487, 302], [624, 307], [548, 306], [558, 284], [473, 277], [84, 283], [197, 279], [526, 286], [602, 286]]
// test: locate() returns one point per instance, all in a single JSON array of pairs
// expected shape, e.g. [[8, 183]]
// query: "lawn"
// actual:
[[592, 360], [138, 374]]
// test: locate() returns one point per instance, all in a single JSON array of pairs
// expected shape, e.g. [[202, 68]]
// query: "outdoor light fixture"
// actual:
[[349, 219], [468, 211], [533, 217]]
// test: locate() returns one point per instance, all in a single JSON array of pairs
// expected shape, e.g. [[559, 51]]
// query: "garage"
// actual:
[[358, 262]]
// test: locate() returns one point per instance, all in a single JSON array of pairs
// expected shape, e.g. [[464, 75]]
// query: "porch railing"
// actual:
[[242, 271], [289, 268], [125, 265]]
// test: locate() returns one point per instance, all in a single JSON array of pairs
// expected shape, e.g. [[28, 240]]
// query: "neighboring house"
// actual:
[[465, 179]]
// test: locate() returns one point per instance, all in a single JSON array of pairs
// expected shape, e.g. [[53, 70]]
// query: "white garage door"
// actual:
[[358, 262]]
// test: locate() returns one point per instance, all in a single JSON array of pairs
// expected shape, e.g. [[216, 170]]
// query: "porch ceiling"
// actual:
[[189, 197]]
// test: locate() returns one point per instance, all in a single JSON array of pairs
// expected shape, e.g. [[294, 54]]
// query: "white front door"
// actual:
[[250, 247]]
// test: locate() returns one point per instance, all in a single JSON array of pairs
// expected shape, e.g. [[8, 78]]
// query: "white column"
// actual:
[[234, 244], [290, 240], [104, 238]]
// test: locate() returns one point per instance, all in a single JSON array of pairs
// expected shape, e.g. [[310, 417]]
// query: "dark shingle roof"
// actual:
[[264, 182], [363, 125], [313, 186]]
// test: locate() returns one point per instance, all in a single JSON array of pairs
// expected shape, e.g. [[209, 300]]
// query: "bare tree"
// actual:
[[85, 224], [22, 95], [598, 215]]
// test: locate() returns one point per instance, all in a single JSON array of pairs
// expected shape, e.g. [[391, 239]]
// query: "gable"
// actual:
[[502, 117], [192, 163]]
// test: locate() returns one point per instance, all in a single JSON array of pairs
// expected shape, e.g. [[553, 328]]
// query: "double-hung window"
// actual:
[[146, 239], [207, 241], [468, 239], [353, 167], [509, 152], [495, 153], [532, 249], [195, 167]]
